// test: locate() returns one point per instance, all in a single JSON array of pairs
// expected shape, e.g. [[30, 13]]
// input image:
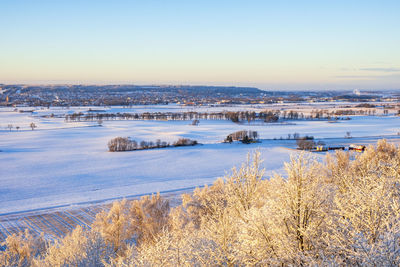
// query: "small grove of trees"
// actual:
[[122, 144], [365, 105], [184, 142], [244, 136], [270, 116], [305, 144], [339, 212], [126, 144]]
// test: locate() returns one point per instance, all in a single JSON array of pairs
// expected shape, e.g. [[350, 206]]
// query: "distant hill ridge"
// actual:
[[150, 88]]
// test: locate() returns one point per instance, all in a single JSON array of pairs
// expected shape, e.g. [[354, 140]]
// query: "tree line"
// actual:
[[160, 116], [234, 116], [127, 144]]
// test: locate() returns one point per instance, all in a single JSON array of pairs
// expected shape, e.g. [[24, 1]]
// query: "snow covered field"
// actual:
[[61, 163]]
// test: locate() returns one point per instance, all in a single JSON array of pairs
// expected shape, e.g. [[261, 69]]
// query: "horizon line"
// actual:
[[89, 83]]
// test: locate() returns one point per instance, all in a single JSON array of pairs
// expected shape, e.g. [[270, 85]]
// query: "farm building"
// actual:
[[358, 148]]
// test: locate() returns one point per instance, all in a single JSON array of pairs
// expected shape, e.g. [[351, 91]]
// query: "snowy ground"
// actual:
[[62, 163]]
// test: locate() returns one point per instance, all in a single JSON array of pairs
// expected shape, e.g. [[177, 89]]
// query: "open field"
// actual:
[[46, 171]]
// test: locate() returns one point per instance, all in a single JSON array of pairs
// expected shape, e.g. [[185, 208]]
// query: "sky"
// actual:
[[273, 45]]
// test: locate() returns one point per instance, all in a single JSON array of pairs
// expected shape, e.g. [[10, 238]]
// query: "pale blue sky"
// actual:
[[269, 44]]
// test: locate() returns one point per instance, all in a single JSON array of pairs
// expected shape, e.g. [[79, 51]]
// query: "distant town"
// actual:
[[126, 95]]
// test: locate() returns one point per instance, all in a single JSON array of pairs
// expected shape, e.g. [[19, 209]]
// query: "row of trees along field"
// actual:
[[127, 144], [339, 212], [238, 116]]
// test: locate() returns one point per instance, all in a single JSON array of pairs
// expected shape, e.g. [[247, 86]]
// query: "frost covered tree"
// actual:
[[300, 206], [114, 226], [148, 217], [79, 248], [22, 249]]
